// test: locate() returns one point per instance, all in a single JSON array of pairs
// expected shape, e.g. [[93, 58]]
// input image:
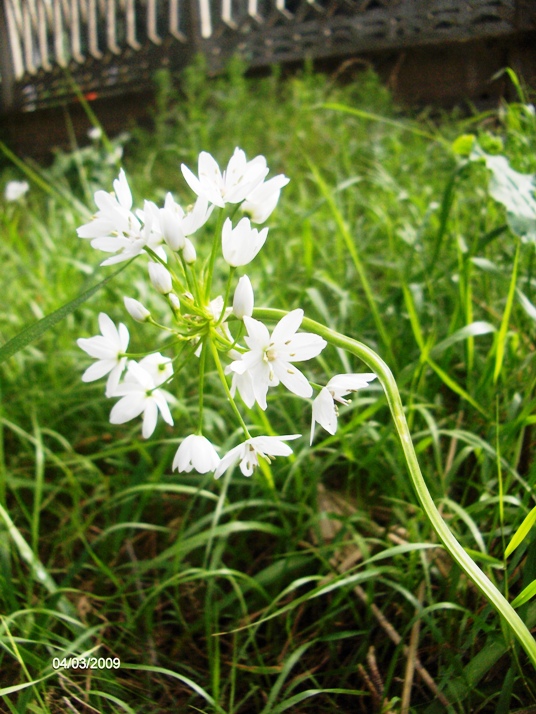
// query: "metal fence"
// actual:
[[113, 46]]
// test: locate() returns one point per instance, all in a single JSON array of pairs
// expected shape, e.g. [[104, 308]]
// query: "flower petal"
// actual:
[[292, 378], [98, 370], [287, 326], [324, 412], [127, 408], [258, 335], [150, 417]]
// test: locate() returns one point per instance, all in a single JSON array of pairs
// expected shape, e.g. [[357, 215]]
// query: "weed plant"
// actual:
[[330, 593]]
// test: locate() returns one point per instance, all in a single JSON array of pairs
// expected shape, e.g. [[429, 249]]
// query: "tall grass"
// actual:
[[329, 592]]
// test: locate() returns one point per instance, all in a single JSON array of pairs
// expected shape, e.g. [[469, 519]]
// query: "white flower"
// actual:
[[140, 394], [243, 300], [196, 453], [109, 349], [136, 310], [269, 360], [15, 190], [324, 408], [175, 224], [260, 203], [114, 228], [242, 243], [151, 233], [241, 382], [159, 367], [247, 453], [239, 179], [171, 223], [160, 278]]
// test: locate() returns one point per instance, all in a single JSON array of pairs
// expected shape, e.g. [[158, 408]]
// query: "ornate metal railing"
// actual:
[[107, 46]]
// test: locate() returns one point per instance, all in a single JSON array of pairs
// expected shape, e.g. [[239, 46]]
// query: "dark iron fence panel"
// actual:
[[111, 46]]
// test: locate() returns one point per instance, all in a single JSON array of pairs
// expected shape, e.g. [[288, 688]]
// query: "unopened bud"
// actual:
[[136, 310], [174, 302], [160, 278], [243, 298], [188, 252]]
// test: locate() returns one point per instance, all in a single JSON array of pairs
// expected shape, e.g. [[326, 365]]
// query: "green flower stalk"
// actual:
[[457, 552]]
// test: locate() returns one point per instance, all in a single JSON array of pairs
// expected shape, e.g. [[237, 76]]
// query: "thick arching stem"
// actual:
[[388, 382]]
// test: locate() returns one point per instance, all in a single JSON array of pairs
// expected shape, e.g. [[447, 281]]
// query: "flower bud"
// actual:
[[136, 310], [243, 298], [174, 302], [241, 243], [188, 252], [160, 278]]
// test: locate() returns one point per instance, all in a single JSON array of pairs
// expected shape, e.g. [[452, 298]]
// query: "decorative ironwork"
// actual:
[[108, 46]]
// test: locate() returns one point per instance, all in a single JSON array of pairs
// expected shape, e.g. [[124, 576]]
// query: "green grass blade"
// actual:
[[181, 678], [525, 595], [356, 258], [455, 387], [473, 330], [17, 687], [501, 337], [34, 332], [308, 693], [370, 116], [47, 185], [521, 533], [39, 572], [425, 352]]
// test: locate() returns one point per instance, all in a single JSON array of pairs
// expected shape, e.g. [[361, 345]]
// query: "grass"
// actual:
[[330, 592]]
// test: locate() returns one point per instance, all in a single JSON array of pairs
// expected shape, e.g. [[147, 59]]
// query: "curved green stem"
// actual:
[[388, 382]]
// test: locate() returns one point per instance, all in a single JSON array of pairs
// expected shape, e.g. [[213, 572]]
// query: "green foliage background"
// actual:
[[229, 596]]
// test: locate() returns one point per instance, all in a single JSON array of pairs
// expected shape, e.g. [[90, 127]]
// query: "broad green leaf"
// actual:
[[516, 192], [33, 332], [527, 594], [521, 533]]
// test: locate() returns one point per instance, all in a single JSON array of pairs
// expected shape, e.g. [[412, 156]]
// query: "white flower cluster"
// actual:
[[201, 325]]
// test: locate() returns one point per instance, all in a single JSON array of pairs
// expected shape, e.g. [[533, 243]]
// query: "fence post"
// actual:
[[194, 30], [7, 69]]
